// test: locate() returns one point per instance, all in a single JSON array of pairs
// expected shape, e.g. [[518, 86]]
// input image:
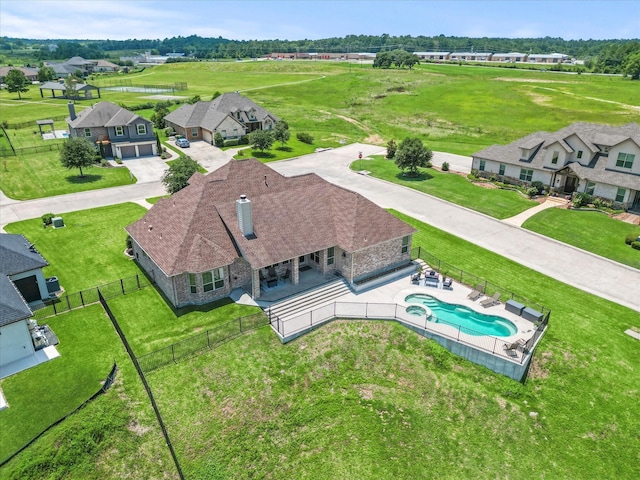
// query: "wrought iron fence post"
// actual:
[[240, 324], [68, 303], [138, 281], [173, 354], [122, 285], [81, 298]]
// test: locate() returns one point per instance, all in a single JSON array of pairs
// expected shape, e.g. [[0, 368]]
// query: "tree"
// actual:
[[77, 152], [160, 112], [632, 66], [179, 172], [382, 60], [45, 74], [71, 87], [391, 149], [411, 155], [261, 139], [16, 82], [216, 95], [218, 140], [281, 133]]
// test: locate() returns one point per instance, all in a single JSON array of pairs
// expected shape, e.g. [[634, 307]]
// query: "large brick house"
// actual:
[[229, 228], [231, 115], [601, 160], [118, 132]]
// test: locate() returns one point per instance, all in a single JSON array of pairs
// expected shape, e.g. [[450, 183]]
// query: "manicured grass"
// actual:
[[451, 187], [590, 231], [154, 200], [89, 250], [115, 435], [293, 148], [160, 325], [374, 400], [41, 175]]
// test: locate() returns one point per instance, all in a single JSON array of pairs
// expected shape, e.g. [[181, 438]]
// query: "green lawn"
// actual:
[[41, 175], [293, 148], [450, 187], [89, 250], [590, 231], [201, 169], [160, 326], [113, 437], [374, 400]]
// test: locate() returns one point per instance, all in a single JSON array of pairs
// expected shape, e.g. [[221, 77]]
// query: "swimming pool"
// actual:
[[469, 321]]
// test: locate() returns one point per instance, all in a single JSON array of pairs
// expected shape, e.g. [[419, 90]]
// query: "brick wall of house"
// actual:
[[240, 274], [163, 282], [378, 258], [185, 297]]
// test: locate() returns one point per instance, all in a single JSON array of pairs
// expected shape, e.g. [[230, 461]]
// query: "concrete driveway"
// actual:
[[209, 156], [146, 169]]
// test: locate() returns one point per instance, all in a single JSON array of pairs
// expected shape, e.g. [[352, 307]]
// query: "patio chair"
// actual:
[[490, 301], [271, 273], [415, 278], [287, 274], [476, 293], [511, 349], [447, 284]]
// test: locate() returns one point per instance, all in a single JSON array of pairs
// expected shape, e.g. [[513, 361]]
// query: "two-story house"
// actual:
[[601, 160], [231, 115], [116, 131]]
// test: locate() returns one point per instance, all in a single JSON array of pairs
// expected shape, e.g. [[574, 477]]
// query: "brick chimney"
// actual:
[[72, 110], [245, 218]]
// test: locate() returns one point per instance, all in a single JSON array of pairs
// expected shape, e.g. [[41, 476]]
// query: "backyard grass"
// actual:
[[366, 399], [149, 323], [40, 175], [590, 231], [89, 250], [115, 436], [451, 187], [293, 148]]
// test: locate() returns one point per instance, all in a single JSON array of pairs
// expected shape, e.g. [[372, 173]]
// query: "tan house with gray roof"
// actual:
[[243, 223], [601, 160], [231, 114]]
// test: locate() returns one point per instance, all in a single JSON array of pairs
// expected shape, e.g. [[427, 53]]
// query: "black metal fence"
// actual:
[[14, 152], [488, 288], [197, 343], [32, 123], [87, 297]]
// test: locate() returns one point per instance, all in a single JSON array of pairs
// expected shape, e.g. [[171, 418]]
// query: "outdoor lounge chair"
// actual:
[[286, 275], [475, 294], [512, 348], [490, 301], [447, 284], [415, 278]]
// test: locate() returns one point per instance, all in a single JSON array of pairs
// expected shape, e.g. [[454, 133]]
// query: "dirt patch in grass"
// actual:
[[374, 139], [540, 99], [538, 368]]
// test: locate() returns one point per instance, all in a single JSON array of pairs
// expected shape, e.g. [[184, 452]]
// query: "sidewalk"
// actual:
[[550, 202]]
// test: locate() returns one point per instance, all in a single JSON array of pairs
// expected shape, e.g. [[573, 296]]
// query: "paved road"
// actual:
[[581, 269]]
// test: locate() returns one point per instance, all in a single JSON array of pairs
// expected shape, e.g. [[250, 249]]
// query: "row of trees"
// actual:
[[398, 58]]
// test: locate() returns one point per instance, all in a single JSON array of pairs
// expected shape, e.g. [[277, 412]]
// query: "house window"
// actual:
[[87, 132], [213, 280], [502, 169], [119, 131], [235, 132], [194, 132], [554, 159], [315, 256], [591, 186], [482, 165], [193, 286], [625, 160], [142, 129], [524, 154], [405, 244], [620, 194], [579, 155], [331, 255], [526, 174], [223, 133]]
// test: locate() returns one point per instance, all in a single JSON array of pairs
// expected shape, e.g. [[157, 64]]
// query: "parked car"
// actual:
[[182, 142]]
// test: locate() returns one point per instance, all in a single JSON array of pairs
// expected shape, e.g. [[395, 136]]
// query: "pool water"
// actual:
[[469, 321]]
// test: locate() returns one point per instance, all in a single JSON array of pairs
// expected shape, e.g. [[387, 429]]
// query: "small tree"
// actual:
[[71, 86], [77, 152], [16, 82], [281, 133], [411, 155], [218, 139], [215, 95], [261, 139], [45, 74], [158, 116], [632, 66], [179, 172], [391, 149]]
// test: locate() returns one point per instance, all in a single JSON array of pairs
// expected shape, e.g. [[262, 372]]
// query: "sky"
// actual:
[[318, 19]]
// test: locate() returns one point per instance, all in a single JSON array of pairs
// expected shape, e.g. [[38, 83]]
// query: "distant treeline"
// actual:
[[604, 56]]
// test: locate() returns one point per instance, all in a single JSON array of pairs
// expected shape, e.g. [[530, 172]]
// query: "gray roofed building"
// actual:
[[601, 160], [231, 114], [293, 221], [82, 90]]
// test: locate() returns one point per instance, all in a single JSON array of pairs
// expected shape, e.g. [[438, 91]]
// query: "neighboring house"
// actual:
[[105, 66], [83, 91], [79, 64], [21, 283], [227, 228], [601, 160], [118, 132], [231, 114], [433, 55], [30, 73]]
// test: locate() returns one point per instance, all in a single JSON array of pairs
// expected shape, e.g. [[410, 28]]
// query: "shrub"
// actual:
[[46, 218], [445, 166], [169, 131], [244, 140], [635, 245], [305, 138], [391, 149], [531, 191], [629, 239], [539, 186], [493, 177], [230, 143], [602, 203], [475, 174], [218, 140], [129, 242], [581, 199]]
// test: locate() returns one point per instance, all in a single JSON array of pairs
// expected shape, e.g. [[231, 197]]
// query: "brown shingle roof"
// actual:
[[196, 229]]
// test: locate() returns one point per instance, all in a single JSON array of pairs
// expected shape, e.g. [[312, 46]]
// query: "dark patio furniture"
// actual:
[[286, 275], [532, 315], [415, 278], [476, 293], [514, 307], [430, 281], [447, 283]]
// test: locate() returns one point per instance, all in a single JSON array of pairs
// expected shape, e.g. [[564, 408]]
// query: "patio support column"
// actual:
[[295, 274], [255, 283]]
